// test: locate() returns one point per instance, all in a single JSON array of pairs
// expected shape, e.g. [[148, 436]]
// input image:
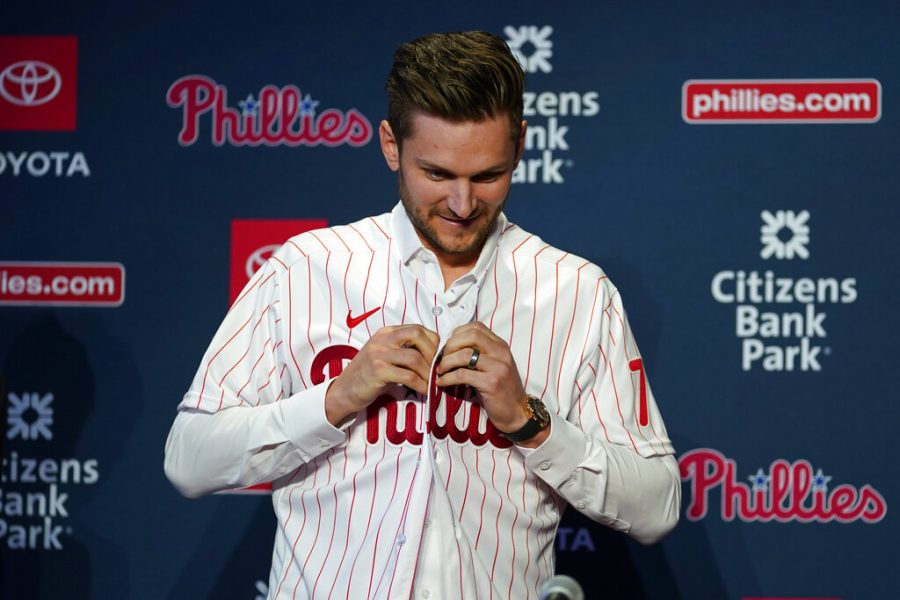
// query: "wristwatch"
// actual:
[[538, 420]]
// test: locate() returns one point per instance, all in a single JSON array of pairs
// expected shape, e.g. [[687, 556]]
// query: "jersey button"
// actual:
[[545, 465], [426, 593], [437, 310], [580, 505]]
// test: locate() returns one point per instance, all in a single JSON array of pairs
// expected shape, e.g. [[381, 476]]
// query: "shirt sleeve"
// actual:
[[249, 416], [610, 456]]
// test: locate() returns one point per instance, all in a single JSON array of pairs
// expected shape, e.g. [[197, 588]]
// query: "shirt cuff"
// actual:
[[305, 425], [556, 459]]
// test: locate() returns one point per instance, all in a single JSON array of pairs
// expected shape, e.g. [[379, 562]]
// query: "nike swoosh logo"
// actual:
[[354, 321]]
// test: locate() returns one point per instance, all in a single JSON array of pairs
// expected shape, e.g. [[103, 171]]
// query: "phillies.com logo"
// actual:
[[787, 492], [279, 116]]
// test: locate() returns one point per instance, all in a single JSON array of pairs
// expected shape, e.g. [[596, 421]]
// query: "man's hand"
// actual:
[[398, 354], [495, 375]]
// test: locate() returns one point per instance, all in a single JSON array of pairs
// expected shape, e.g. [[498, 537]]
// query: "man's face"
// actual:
[[454, 178]]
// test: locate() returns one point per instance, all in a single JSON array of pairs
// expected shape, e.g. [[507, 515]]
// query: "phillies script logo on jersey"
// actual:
[[276, 117], [786, 492], [384, 414], [38, 82]]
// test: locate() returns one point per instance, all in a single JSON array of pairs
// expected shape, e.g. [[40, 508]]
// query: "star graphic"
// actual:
[[308, 105], [760, 481], [249, 106], [820, 481]]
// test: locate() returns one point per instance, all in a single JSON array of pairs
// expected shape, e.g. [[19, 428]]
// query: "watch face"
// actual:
[[538, 410]]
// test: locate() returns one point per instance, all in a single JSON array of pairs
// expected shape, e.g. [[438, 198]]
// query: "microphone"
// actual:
[[561, 587]]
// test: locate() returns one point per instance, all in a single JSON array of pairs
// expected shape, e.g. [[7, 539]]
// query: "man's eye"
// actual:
[[485, 178], [435, 175]]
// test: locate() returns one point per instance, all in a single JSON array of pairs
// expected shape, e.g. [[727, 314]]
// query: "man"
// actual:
[[491, 378]]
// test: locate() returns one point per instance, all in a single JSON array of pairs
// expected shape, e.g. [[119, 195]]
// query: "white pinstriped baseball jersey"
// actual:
[[422, 493]]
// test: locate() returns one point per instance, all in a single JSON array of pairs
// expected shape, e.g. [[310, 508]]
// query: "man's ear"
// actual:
[[389, 146], [520, 145]]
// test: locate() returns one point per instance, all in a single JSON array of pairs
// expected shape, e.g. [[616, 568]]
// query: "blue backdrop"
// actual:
[[732, 166]]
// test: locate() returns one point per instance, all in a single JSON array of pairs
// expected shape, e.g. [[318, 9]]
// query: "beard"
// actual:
[[469, 243]]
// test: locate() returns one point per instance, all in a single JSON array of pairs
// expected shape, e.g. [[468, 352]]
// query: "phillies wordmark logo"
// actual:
[[275, 117], [786, 492], [384, 415]]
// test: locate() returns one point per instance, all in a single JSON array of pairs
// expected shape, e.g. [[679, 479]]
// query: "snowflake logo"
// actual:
[[30, 416], [531, 46], [760, 481], [784, 234]]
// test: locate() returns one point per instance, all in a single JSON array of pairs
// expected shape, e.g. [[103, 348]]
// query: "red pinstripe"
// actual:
[[291, 328], [416, 297], [247, 291], [281, 381], [512, 528], [209, 363], [365, 287], [483, 498], [279, 261], [333, 525], [552, 329], [403, 287], [462, 459], [534, 313], [571, 325], [496, 296], [375, 223], [262, 354], [387, 287], [318, 527], [338, 236], [351, 226], [346, 298], [293, 557], [309, 305], [512, 326], [497, 521], [527, 531], [378, 532], [330, 297], [402, 527], [240, 360]]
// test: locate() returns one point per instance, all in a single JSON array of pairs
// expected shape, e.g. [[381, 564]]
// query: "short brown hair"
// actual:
[[462, 76]]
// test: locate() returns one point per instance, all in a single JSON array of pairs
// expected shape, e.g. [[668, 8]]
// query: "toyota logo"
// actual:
[[29, 83], [259, 258]]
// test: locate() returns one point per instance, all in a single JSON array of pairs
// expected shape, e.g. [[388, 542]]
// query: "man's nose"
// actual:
[[462, 199]]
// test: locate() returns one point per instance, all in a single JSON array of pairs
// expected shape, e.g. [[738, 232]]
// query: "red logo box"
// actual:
[[781, 101], [254, 240], [38, 83], [63, 283]]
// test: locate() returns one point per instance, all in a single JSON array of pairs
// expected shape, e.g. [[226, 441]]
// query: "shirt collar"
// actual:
[[409, 246]]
